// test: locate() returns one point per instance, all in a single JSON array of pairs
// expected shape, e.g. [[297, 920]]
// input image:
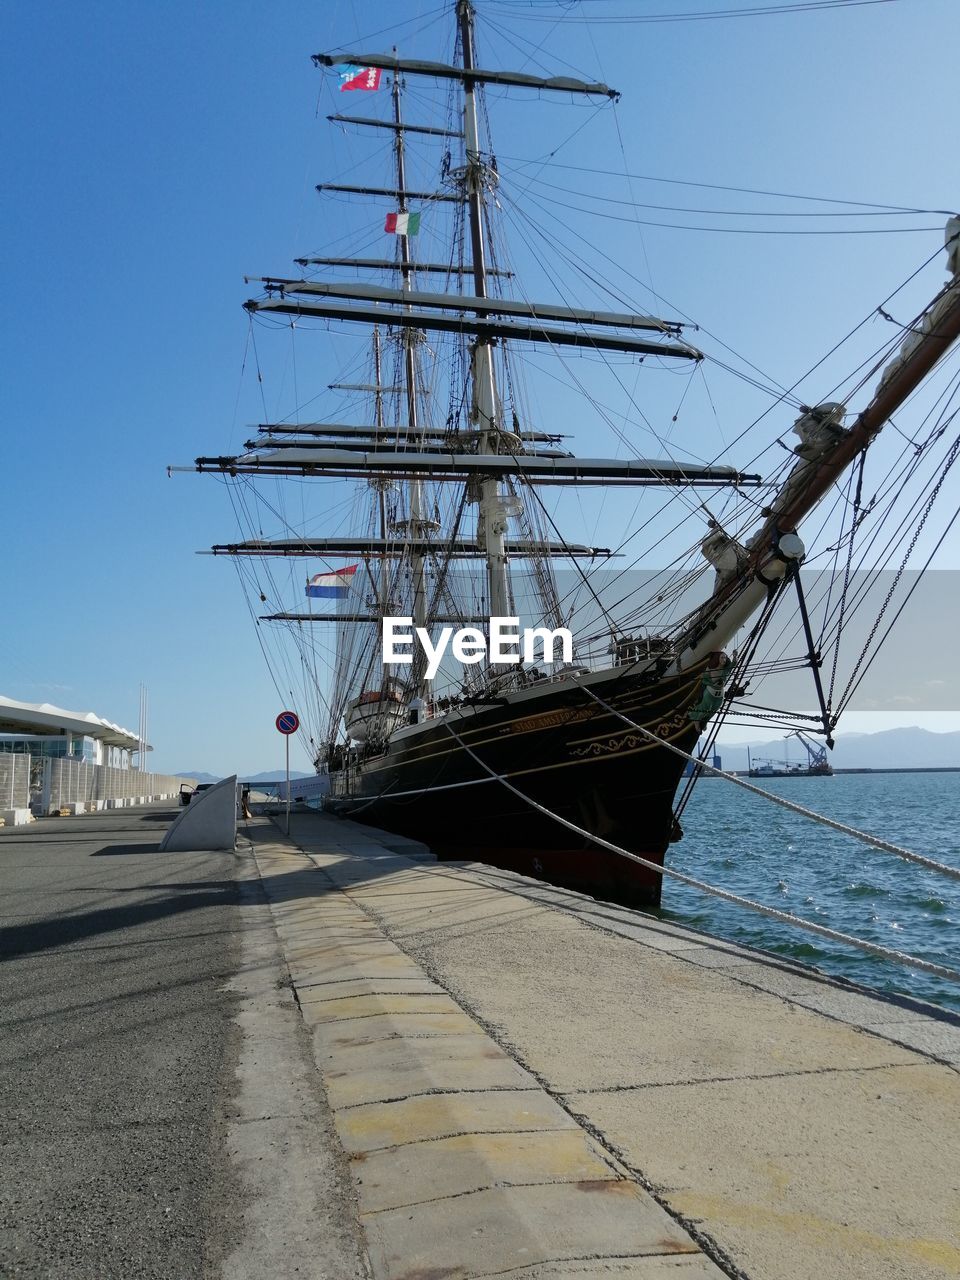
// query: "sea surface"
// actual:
[[741, 842]]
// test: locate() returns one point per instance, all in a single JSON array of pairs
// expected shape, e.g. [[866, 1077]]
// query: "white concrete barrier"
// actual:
[[15, 817], [208, 822]]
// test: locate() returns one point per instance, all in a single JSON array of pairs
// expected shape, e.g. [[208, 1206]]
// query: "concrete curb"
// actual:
[[464, 1165]]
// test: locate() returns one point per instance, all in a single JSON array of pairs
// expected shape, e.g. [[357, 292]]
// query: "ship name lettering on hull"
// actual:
[[550, 719]]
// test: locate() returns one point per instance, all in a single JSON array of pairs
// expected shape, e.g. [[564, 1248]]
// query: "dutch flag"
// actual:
[[331, 586]]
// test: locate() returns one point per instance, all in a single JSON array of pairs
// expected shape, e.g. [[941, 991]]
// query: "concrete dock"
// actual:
[[529, 1082], [447, 1071]]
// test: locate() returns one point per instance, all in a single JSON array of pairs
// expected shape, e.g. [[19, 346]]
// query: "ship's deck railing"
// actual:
[[513, 682]]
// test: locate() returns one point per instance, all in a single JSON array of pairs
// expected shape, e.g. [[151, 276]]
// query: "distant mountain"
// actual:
[[911, 748], [277, 777], [198, 776]]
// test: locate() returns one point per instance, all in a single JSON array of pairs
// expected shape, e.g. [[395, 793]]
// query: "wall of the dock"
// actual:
[[14, 782], [69, 783]]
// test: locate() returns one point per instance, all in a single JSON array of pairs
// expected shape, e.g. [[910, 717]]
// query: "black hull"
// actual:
[[560, 749]]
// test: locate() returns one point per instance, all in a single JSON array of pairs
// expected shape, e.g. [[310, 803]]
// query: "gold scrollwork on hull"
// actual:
[[666, 729], [610, 747], [678, 721]]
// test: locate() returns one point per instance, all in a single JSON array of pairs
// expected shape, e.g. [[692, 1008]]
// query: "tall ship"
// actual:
[[448, 492]]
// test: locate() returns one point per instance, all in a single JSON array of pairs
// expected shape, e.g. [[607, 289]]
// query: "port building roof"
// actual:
[[44, 718]]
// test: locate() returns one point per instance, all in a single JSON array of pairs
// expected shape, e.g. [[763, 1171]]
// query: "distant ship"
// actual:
[[816, 764]]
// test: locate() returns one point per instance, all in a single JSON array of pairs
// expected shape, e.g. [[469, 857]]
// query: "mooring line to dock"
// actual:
[[874, 948], [864, 836]]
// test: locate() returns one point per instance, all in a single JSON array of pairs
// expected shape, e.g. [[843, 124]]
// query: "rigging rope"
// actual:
[[875, 841], [887, 953], [858, 674]]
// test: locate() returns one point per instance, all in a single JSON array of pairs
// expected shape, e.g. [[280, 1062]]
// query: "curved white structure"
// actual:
[[208, 822]]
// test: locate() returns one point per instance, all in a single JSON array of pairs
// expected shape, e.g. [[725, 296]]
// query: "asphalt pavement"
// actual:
[[130, 1005], [118, 1045]]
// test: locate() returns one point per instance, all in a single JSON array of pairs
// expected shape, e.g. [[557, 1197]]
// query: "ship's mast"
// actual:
[[493, 509], [407, 452], [379, 483], [418, 526]]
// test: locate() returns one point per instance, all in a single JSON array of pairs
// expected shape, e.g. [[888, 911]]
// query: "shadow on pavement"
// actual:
[[61, 931], [112, 850]]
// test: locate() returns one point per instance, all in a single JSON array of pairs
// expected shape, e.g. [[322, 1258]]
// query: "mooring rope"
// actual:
[[886, 953], [929, 863], [864, 836]]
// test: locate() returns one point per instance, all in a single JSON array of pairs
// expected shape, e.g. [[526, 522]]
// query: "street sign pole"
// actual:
[[288, 722], [287, 738]]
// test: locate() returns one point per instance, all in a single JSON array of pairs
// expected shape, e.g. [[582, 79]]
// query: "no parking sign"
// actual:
[[288, 722]]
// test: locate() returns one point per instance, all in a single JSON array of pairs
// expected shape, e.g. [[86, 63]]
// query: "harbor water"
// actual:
[[744, 843]]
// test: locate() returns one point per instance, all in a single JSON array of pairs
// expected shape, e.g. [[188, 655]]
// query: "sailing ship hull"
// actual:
[[562, 751]]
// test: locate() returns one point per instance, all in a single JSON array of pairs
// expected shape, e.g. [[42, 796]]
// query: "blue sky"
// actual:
[[155, 154]]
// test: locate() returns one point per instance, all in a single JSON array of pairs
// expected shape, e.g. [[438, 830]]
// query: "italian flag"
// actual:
[[402, 224]]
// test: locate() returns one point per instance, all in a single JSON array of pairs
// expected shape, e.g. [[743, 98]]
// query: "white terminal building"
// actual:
[[54, 761], [43, 731]]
